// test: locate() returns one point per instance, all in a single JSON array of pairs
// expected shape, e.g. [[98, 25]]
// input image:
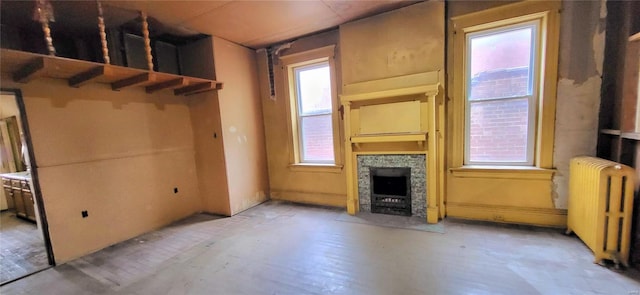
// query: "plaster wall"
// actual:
[[287, 183], [581, 55], [582, 39]]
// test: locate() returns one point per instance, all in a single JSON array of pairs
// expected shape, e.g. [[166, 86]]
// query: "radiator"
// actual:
[[600, 207]]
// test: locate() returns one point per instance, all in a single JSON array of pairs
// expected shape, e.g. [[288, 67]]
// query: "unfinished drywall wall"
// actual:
[[582, 36], [117, 155], [242, 125], [209, 149], [405, 41], [287, 183]]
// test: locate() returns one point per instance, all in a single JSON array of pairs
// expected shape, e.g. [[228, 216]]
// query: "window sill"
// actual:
[[503, 172], [321, 168]]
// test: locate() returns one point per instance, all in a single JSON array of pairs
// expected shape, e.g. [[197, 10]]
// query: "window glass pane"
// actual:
[[316, 139], [499, 130], [500, 64], [314, 89]]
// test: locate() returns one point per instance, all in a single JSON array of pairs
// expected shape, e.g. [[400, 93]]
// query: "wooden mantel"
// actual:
[[23, 67], [384, 117]]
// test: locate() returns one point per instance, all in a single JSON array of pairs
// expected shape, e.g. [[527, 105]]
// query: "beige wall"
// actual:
[[324, 188], [117, 155], [242, 125], [406, 41], [210, 161], [229, 134]]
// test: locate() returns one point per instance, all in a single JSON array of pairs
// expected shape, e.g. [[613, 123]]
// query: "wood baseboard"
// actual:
[[333, 200], [504, 214]]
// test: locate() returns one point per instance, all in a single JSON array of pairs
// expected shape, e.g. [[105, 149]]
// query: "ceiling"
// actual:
[[254, 24]]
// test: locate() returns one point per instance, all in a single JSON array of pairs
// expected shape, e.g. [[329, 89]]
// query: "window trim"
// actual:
[[549, 15], [288, 63]]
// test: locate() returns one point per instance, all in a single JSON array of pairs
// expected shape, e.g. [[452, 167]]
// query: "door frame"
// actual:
[[37, 194]]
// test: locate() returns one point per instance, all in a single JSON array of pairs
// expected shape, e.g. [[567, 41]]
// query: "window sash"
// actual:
[[302, 145], [533, 85], [297, 71], [530, 133]]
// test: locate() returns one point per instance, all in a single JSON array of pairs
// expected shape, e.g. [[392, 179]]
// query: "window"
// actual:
[[500, 99], [313, 109], [504, 84], [314, 126]]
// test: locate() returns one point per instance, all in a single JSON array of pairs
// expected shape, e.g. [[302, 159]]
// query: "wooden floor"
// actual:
[[281, 248], [21, 250]]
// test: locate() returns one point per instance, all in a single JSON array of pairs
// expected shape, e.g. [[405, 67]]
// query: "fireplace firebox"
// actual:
[[391, 191]]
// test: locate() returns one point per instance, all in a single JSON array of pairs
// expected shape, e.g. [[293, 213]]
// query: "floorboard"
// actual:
[[21, 250], [283, 248]]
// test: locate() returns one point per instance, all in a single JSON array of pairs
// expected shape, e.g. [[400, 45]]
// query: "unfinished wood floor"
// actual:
[[281, 248], [21, 250]]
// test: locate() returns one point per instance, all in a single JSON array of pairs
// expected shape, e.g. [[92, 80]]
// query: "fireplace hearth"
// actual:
[[391, 191]]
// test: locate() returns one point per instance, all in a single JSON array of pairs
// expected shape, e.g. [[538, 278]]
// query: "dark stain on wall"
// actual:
[[580, 22]]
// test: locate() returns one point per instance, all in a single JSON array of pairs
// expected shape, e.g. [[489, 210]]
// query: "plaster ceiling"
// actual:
[[256, 24]]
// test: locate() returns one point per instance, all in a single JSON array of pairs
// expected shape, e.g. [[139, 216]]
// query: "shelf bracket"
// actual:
[[175, 83], [196, 88], [31, 70], [86, 76], [132, 81]]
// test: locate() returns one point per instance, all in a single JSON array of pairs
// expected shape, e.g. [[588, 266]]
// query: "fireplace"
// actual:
[[398, 182], [391, 191]]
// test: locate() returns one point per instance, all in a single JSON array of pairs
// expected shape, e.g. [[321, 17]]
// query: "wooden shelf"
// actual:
[[378, 138], [390, 94], [25, 66], [610, 131], [631, 135]]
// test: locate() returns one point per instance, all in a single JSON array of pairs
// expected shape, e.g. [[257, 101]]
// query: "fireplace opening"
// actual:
[[391, 191]]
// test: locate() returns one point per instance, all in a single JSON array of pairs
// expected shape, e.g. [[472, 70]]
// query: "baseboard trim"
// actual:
[[505, 214], [324, 199]]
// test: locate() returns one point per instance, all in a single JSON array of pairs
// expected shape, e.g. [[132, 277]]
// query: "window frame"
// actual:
[[288, 64], [532, 98], [299, 114], [548, 15]]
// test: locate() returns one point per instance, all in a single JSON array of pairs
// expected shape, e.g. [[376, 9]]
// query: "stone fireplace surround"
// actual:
[[417, 164]]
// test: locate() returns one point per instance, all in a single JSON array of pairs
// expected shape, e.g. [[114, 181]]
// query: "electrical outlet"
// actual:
[[85, 214]]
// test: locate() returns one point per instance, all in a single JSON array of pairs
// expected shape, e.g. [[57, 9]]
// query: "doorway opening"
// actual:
[[25, 247]]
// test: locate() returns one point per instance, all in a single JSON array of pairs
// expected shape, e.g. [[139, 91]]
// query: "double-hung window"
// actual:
[[313, 108], [505, 65], [501, 67], [311, 91]]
